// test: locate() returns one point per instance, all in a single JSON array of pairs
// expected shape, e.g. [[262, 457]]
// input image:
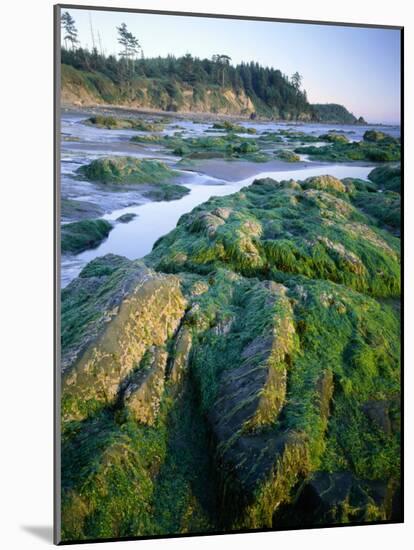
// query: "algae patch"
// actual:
[[121, 170], [245, 368], [79, 236]]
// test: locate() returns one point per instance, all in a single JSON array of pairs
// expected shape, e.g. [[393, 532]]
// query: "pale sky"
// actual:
[[356, 67]]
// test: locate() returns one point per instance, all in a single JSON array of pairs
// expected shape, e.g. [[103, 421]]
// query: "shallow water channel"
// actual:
[[135, 239]]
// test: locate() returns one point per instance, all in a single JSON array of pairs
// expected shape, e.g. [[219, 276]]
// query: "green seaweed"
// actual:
[[291, 378], [287, 156], [265, 229], [122, 170], [111, 122], [79, 236], [387, 149]]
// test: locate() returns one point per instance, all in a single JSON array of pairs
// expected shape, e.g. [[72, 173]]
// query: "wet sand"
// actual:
[[237, 170]]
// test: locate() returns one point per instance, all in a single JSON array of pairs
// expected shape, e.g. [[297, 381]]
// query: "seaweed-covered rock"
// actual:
[[277, 229], [229, 146], [245, 364], [377, 148], [166, 192], [258, 386], [142, 390], [384, 208], [79, 236], [245, 147], [324, 183], [74, 210], [109, 320], [333, 137], [338, 498], [380, 198], [111, 122], [297, 136], [287, 156], [127, 217], [266, 384], [119, 170], [378, 412], [147, 138], [181, 356], [232, 127], [387, 177], [377, 136]]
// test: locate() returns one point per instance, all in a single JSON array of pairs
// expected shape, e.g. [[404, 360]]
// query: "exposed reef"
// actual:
[[79, 236], [375, 147], [245, 374], [123, 170]]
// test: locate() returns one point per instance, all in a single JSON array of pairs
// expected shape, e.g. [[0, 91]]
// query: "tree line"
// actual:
[[266, 86]]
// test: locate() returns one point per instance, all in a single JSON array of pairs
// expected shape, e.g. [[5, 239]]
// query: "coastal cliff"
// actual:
[[190, 85]]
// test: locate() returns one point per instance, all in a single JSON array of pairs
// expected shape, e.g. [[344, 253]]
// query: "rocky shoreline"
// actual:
[[119, 110], [244, 374]]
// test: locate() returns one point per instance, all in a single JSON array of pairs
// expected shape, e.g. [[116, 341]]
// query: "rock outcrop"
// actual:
[[125, 309], [244, 375], [81, 235]]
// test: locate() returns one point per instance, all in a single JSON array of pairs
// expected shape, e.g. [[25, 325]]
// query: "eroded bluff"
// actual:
[[244, 375]]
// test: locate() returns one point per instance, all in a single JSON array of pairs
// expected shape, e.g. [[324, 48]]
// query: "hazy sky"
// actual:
[[357, 67]]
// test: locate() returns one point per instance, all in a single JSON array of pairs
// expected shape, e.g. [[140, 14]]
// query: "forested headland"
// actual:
[[183, 84]]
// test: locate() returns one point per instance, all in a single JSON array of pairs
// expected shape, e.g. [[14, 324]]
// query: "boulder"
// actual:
[[108, 323], [257, 388], [387, 177], [338, 498], [127, 217], [79, 236], [123, 170], [378, 413]]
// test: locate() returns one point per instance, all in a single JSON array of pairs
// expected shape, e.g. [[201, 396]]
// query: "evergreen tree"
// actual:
[[297, 81], [70, 30], [270, 91], [130, 45], [222, 62]]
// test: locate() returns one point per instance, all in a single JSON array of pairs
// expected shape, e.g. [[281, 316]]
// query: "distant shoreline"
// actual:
[[208, 116]]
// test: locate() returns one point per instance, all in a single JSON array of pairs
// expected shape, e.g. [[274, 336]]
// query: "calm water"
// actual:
[[154, 219]]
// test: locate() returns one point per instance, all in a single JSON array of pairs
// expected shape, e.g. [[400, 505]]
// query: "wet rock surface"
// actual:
[[243, 375], [79, 236]]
